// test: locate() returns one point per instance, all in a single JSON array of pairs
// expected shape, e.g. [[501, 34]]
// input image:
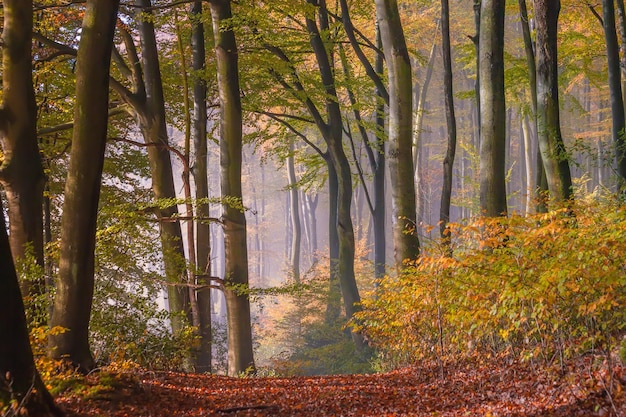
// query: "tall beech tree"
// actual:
[[240, 351], [332, 132], [554, 155], [146, 104], [199, 137], [492, 108], [448, 162], [75, 283], [19, 379], [21, 173], [400, 128], [539, 182], [615, 88]]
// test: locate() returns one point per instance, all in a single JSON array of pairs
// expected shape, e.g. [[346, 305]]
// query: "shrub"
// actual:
[[544, 286]]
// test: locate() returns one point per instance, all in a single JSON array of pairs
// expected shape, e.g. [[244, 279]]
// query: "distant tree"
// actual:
[[492, 108], [75, 283], [554, 155]]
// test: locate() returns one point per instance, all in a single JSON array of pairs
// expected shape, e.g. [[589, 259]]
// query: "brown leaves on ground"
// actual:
[[492, 389]]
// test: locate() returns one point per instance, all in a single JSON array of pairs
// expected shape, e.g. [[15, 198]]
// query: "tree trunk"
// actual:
[[18, 375], [554, 155], [294, 208], [152, 123], [492, 109], [400, 132], [75, 283], [203, 228], [333, 307], [540, 184], [380, 206], [615, 89], [240, 352], [21, 172], [448, 162]]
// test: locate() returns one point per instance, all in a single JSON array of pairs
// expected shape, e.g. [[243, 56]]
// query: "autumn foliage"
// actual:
[[542, 288]]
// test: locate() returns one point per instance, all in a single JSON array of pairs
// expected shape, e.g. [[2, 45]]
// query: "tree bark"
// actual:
[[21, 172], [203, 231], [448, 162], [19, 380], [615, 89], [492, 109], [240, 352], [554, 155], [294, 208], [406, 242], [150, 113], [75, 283], [540, 186]]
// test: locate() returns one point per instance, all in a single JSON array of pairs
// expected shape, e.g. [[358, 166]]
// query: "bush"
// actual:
[[545, 286]]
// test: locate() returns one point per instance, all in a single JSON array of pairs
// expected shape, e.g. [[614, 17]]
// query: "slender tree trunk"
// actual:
[[492, 109], [380, 206], [554, 155], [75, 283], [528, 147], [540, 183], [152, 122], [615, 89], [448, 162], [203, 228], [400, 132], [21, 172], [240, 352], [333, 308], [294, 208]]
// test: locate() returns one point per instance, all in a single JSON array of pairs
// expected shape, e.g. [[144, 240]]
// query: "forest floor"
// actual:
[[494, 388]]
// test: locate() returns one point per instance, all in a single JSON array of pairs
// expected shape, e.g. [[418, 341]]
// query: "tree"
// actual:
[[240, 352], [492, 108], [74, 294], [554, 155], [615, 88], [406, 242], [448, 162], [199, 136], [21, 172], [19, 380], [146, 104]]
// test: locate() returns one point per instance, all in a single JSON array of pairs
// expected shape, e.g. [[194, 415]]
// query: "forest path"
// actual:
[[503, 389]]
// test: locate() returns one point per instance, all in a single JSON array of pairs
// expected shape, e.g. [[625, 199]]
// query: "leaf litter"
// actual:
[[582, 387]]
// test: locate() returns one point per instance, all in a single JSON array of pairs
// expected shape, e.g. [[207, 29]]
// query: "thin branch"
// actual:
[[70, 125], [296, 132]]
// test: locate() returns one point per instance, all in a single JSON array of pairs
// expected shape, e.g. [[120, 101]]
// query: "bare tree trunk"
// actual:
[[400, 132], [75, 283], [554, 155], [203, 228], [294, 208], [615, 89], [21, 172], [240, 351], [19, 379], [448, 162], [492, 109]]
